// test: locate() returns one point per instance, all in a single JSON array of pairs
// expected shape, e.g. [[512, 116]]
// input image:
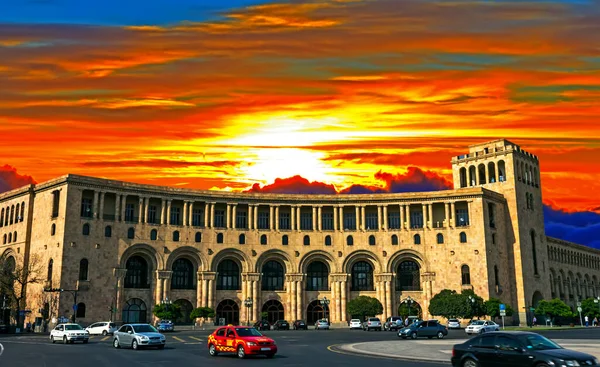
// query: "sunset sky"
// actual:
[[230, 93]]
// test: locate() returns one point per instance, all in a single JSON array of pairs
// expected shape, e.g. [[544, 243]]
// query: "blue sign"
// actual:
[[74, 307], [502, 306]]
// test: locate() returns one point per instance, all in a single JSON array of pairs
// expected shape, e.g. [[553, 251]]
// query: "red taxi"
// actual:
[[241, 340]]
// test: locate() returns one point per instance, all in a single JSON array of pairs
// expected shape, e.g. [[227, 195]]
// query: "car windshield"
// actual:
[[453, 320], [144, 329], [355, 320], [73, 327], [478, 322], [538, 342], [247, 331]]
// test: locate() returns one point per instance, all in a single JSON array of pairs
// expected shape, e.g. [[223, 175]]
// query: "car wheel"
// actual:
[[413, 335], [65, 341], [468, 333], [481, 331], [440, 335], [212, 350], [134, 345], [470, 363], [241, 353], [104, 332], [116, 343], [52, 339]]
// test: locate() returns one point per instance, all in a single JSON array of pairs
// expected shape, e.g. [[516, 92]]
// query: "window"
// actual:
[[371, 240], [198, 217], [496, 282], [50, 266], [263, 220], [183, 274], [198, 237], [152, 214], [80, 310], [55, 203], [349, 241], [219, 218], [306, 221], [9, 237], [463, 237], [394, 239], [362, 276], [327, 240], [263, 239], [228, 275], [462, 217], [416, 220], [273, 276], [137, 273], [131, 233], [371, 221], [15, 236], [492, 215], [86, 229], [86, 208], [317, 275], [4, 239], [17, 213], [327, 221], [83, 269], [22, 211], [393, 220], [241, 219], [175, 236], [242, 239], [284, 240], [107, 231], [493, 238], [533, 252], [440, 238], [153, 235], [465, 275], [219, 237], [284, 221], [53, 229], [417, 239], [12, 214], [307, 240], [408, 277], [2, 218], [129, 213], [175, 215], [350, 221]]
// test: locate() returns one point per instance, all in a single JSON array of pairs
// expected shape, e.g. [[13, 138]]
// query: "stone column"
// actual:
[[256, 301], [447, 215], [212, 215], [402, 217], [288, 305], [299, 305], [379, 218], [117, 208], [430, 208], [338, 294], [146, 209], [389, 297], [160, 288], [314, 218], [341, 218], [357, 219], [294, 300], [334, 300], [206, 212], [167, 286], [379, 294], [277, 218], [141, 210], [191, 213], [94, 206], [298, 215], [199, 286], [204, 292], [233, 216], [425, 219], [468, 213], [344, 297], [249, 216], [228, 216], [363, 221], [292, 218], [319, 218], [271, 219], [211, 293], [255, 217], [168, 219], [184, 219], [476, 175], [119, 274], [162, 212], [123, 207], [385, 217], [452, 214], [335, 218], [101, 209]]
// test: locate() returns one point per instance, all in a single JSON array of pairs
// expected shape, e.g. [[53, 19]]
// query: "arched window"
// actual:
[[2, 218], [362, 276], [496, 282], [83, 269], [153, 235], [198, 237], [328, 240], [307, 240], [17, 219], [273, 276], [134, 311], [4, 239], [228, 276], [15, 236], [9, 266], [481, 170], [12, 215], [394, 239], [242, 239], [533, 252], [284, 240], [22, 211], [86, 229], [465, 275], [472, 176], [463, 237], [463, 177], [350, 241], [408, 277], [175, 236], [107, 231], [9, 237], [417, 239], [263, 239], [53, 229], [317, 276], [131, 233], [137, 273], [219, 237], [183, 274], [371, 240], [440, 238], [50, 271], [501, 171], [80, 310], [492, 172]]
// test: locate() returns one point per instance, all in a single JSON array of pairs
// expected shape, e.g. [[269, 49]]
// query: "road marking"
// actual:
[[105, 338], [179, 339], [198, 339]]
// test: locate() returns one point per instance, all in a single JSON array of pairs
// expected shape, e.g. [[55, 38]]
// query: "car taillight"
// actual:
[[453, 352]]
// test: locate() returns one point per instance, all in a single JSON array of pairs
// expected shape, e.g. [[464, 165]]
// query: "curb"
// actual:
[[339, 348]]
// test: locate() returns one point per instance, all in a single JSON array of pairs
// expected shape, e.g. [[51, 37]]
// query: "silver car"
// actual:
[[372, 323], [321, 325], [138, 336]]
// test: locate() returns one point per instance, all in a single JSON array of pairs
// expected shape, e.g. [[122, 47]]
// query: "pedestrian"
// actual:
[[406, 322], [587, 321], [534, 320], [595, 322]]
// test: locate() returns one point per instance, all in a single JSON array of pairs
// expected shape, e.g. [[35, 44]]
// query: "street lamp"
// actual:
[[248, 303], [325, 303], [471, 299], [409, 301], [597, 301], [166, 302]]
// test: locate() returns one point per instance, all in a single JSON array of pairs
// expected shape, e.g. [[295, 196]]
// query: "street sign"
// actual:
[[502, 312], [75, 307], [502, 307], [578, 304], [531, 309], [578, 309]]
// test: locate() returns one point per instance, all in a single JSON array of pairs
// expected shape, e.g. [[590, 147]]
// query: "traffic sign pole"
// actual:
[[502, 313], [580, 319]]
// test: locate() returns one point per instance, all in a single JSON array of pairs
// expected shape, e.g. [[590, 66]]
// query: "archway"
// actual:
[[274, 310], [314, 312], [134, 311], [186, 308], [228, 310], [537, 297], [410, 309]]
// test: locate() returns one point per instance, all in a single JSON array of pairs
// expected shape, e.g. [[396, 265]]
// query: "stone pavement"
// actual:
[[435, 350]]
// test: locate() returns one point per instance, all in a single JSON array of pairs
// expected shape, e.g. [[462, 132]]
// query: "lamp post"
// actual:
[[166, 302], [325, 303], [73, 293], [597, 301], [471, 302], [248, 303], [409, 301]]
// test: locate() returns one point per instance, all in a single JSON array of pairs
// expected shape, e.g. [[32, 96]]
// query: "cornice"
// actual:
[[575, 246], [21, 191]]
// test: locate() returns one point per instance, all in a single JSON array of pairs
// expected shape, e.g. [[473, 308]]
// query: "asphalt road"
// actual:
[[296, 348]]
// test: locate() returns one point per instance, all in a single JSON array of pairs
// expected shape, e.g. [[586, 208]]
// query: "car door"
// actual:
[[220, 338], [93, 328], [59, 332], [125, 338], [510, 352], [484, 349]]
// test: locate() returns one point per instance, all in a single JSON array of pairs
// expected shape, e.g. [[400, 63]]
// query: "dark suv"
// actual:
[[393, 323], [262, 325], [300, 324], [281, 325], [430, 329]]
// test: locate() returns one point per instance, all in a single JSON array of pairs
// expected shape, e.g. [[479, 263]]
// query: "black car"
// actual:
[[430, 329], [300, 325], [262, 325], [517, 348], [281, 325]]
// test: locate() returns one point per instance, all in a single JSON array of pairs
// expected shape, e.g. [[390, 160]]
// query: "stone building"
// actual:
[[128, 246]]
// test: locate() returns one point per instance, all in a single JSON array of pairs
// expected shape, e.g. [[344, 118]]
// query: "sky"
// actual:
[[258, 95]]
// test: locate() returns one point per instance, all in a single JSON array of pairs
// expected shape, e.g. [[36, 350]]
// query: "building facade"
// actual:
[[126, 247]]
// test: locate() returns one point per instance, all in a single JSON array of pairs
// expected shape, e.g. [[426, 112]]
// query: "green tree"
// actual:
[[264, 315], [202, 313], [365, 306], [472, 308], [492, 308], [590, 308], [167, 312], [552, 309], [447, 304]]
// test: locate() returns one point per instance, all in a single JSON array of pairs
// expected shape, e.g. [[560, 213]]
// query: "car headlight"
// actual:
[[251, 344], [570, 363], [596, 361], [143, 337]]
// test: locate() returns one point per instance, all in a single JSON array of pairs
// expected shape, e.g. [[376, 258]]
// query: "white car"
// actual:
[[103, 328], [355, 324], [69, 333], [481, 326], [453, 324], [322, 325]]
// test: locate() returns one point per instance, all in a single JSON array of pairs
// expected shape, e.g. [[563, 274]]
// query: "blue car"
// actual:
[[165, 325]]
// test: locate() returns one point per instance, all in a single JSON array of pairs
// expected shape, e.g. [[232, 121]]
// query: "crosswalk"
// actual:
[[185, 339]]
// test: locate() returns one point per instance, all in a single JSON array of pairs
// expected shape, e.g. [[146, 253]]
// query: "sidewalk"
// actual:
[[435, 350]]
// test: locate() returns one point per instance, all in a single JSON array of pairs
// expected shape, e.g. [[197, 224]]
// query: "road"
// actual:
[[296, 348]]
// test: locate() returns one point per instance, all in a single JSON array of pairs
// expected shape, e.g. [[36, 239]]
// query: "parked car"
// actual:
[[355, 324], [300, 324], [3, 328], [165, 325], [138, 336], [481, 326], [429, 329], [262, 325], [241, 340], [372, 323], [69, 333], [281, 325], [102, 328], [453, 324], [393, 323], [322, 325], [517, 348]]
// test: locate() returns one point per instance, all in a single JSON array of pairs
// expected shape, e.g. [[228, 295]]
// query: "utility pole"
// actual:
[[73, 293]]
